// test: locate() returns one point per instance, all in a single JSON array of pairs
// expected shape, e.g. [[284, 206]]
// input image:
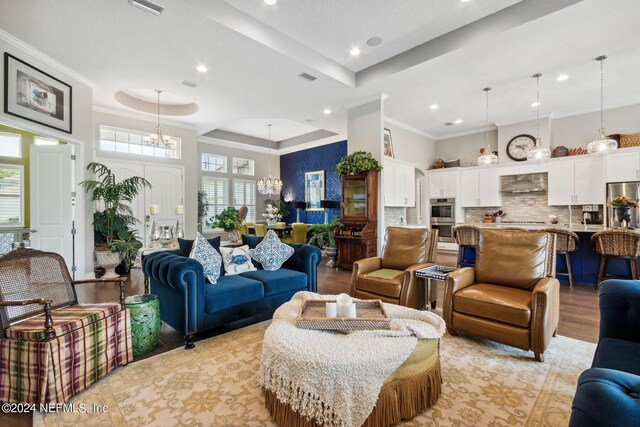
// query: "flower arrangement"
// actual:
[[356, 162], [227, 219], [272, 213], [624, 201]]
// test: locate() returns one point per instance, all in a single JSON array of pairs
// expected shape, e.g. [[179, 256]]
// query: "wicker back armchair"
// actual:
[[41, 320], [467, 237], [566, 242], [617, 244]]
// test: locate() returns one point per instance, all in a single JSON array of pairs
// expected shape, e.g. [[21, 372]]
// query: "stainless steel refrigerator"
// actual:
[[630, 189]]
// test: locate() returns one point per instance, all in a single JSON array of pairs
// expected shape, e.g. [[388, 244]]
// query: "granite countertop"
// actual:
[[576, 228]]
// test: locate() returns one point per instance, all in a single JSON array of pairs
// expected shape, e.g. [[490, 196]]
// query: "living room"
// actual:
[[412, 133]]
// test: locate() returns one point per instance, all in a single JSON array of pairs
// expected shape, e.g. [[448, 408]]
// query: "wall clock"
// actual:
[[519, 146]]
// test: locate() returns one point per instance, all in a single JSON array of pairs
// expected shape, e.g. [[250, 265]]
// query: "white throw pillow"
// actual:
[[271, 253], [236, 260], [205, 254]]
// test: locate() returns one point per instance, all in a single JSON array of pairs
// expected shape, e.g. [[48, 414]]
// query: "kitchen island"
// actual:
[[584, 260]]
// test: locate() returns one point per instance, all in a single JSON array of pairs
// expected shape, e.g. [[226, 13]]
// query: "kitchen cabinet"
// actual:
[[576, 182], [443, 183], [399, 184], [480, 187], [622, 165]]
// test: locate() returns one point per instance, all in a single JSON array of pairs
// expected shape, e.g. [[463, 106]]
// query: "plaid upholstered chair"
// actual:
[[51, 347]]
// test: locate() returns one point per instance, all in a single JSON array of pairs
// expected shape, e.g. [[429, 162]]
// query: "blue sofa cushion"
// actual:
[[618, 354], [186, 245], [279, 281], [231, 291], [251, 241]]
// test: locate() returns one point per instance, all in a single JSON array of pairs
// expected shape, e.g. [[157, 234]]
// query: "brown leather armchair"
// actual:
[[391, 277], [512, 295]]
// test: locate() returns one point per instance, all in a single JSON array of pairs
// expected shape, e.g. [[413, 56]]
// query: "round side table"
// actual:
[[145, 322]]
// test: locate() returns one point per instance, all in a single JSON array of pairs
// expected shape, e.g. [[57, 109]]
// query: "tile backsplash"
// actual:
[[395, 216]]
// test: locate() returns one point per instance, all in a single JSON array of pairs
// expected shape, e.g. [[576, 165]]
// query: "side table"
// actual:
[[434, 272], [145, 322]]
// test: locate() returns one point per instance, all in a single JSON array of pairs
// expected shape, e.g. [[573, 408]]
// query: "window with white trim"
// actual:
[[244, 193], [131, 141], [11, 196], [214, 163], [38, 140], [242, 166], [217, 192], [10, 145]]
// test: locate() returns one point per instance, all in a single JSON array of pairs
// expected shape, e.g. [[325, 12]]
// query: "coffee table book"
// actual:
[[370, 315]]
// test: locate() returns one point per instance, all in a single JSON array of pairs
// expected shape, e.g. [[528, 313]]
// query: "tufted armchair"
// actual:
[[512, 295], [391, 277]]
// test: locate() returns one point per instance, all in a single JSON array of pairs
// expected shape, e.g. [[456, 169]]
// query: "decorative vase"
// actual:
[[624, 215], [331, 253], [145, 322], [271, 222], [109, 260], [232, 236]]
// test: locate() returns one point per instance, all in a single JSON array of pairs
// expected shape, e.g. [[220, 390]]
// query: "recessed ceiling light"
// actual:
[[562, 77], [464, 1], [535, 104], [355, 51], [434, 106], [202, 68], [326, 111], [458, 121], [374, 41], [270, 2]]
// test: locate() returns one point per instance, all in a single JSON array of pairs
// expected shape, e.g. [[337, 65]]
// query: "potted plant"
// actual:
[[322, 237], [623, 205], [228, 221], [272, 214], [357, 162], [203, 208], [112, 219]]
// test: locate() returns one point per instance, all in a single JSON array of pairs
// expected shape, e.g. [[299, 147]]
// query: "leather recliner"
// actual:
[[511, 296], [391, 277]]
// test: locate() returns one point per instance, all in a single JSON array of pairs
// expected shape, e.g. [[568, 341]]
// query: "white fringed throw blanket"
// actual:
[[335, 378]]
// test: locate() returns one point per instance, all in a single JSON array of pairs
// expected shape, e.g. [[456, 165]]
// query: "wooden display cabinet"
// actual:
[[357, 238]]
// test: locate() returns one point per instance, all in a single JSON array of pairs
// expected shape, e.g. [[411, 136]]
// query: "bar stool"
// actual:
[[566, 242], [467, 236], [616, 244]]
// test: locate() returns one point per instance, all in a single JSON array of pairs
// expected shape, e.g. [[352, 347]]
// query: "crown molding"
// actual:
[[492, 128], [140, 116], [237, 145], [379, 97], [313, 144], [30, 50], [597, 110], [410, 128]]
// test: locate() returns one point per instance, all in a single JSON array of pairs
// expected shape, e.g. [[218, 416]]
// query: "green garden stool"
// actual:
[[145, 322]]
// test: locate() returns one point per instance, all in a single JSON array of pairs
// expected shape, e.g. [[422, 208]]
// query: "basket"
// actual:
[[371, 315]]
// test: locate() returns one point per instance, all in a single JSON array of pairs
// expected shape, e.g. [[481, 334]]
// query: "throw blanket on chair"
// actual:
[[335, 378]]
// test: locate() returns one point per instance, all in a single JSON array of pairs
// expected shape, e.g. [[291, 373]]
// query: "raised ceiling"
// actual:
[[254, 54]]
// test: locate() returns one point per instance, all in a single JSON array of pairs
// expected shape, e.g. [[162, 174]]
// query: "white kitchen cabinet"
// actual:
[[622, 165], [479, 187], [399, 184], [576, 182], [443, 184]]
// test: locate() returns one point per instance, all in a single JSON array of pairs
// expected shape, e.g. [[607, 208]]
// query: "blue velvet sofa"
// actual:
[[191, 305], [608, 394]]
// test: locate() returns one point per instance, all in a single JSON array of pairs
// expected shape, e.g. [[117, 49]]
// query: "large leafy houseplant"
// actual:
[[322, 234], [357, 162], [227, 219], [203, 208]]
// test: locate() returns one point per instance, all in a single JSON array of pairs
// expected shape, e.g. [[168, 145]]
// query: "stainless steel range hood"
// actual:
[[527, 183]]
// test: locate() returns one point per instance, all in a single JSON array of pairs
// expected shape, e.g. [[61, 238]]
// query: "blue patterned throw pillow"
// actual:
[[236, 260], [205, 254], [271, 252]]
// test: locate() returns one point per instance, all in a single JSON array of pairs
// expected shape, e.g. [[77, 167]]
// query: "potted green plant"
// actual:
[[228, 221], [112, 219], [203, 208], [357, 162], [322, 237]]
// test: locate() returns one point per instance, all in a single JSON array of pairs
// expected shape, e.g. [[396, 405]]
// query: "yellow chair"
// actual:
[[299, 232], [261, 230], [281, 224], [244, 228]]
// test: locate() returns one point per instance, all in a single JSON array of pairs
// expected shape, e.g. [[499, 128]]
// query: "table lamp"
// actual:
[[298, 206]]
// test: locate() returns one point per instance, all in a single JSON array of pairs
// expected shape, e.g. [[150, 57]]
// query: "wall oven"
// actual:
[[443, 218]]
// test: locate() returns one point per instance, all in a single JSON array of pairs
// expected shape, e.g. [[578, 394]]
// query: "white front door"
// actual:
[[51, 199]]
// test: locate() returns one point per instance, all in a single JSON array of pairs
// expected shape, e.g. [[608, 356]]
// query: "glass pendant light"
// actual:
[[488, 158], [269, 185], [602, 143], [539, 151]]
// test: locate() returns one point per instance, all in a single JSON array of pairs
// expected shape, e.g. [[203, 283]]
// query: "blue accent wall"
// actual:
[[292, 169]]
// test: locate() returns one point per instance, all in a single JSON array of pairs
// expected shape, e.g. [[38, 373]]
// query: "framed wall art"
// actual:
[[314, 189], [388, 144], [32, 94]]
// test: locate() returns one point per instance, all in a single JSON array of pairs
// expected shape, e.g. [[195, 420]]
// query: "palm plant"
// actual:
[[322, 234]]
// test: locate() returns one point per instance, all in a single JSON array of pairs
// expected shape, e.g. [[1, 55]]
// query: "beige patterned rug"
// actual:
[[485, 384]]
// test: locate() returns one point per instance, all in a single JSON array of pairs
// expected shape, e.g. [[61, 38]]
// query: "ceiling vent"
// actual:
[[448, 124], [148, 6], [309, 120], [307, 77], [189, 84]]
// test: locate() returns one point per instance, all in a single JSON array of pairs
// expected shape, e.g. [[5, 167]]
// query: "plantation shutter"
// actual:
[[217, 191], [11, 195], [244, 193]]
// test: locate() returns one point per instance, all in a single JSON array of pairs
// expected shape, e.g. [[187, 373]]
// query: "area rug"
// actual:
[[484, 384]]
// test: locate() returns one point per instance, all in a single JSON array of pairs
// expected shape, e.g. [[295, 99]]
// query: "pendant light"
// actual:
[[488, 158], [539, 151], [268, 185], [155, 139], [602, 143]]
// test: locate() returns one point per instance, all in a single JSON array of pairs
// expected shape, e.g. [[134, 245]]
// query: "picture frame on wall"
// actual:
[[388, 143], [32, 94], [314, 186]]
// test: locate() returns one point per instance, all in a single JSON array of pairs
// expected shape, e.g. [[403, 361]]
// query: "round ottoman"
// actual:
[[145, 322]]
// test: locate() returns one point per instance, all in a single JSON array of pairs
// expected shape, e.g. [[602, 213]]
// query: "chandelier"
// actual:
[[539, 151], [488, 158], [601, 143], [269, 185], [155, 139]]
